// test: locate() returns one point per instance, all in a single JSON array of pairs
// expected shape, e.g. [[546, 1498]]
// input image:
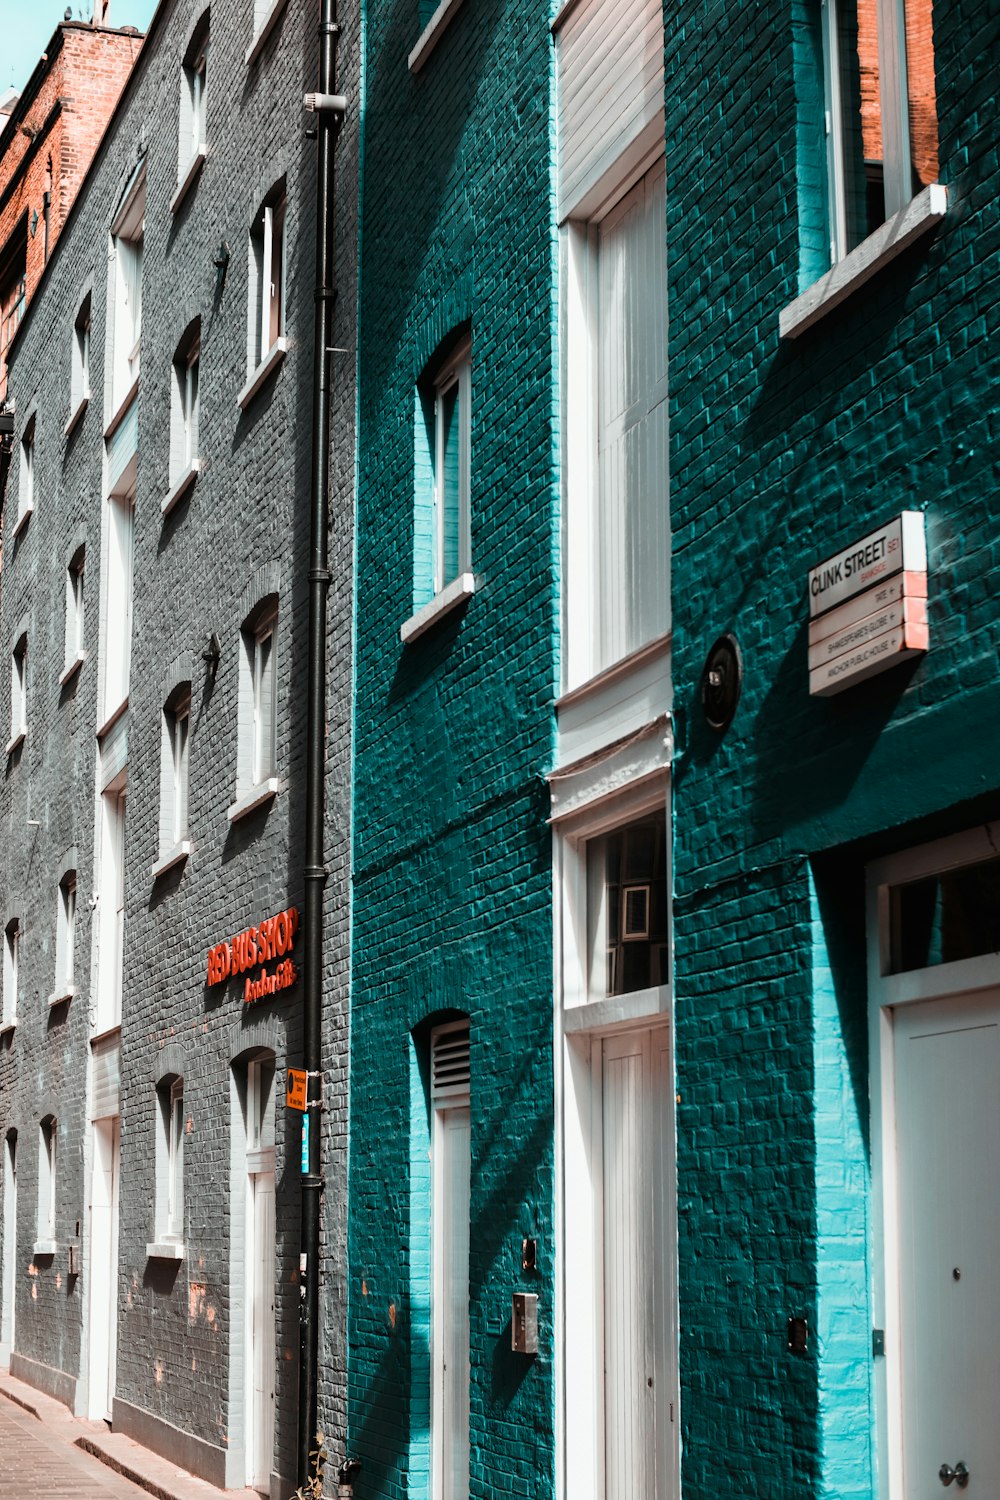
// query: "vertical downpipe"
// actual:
[[315, 872]]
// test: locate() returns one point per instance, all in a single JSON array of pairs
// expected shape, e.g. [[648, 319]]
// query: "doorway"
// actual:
[[619, 1266], [634, 1092], [934, 988], [8, 1299], [259, 1272], [104, 1270], [947, 1132]]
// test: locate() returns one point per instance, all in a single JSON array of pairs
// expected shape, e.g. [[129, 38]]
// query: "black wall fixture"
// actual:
[[722, 682]]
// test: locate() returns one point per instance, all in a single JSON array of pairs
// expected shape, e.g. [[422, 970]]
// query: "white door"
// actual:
[[637, 1182], [7, 1303], [103, 1269], [947, 1131], [261, 1351], [450, 1417]]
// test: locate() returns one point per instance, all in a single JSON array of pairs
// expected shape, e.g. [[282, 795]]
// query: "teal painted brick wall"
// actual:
[[745, 1167], [452, 894], [780, 455]]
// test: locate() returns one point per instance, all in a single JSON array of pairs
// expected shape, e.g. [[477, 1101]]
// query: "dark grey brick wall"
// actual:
[[180, 1333]]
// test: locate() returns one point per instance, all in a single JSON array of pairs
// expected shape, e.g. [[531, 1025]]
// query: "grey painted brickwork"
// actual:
[[181, 1324]]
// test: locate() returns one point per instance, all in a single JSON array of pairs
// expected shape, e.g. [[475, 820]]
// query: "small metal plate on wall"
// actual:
[[722, 682], [798, 1335], [524, 1323]]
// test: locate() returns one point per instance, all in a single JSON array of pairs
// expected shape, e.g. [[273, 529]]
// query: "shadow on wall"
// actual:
[[807, 753]]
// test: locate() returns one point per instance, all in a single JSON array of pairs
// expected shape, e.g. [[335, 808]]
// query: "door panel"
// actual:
[[103, 1269], [262, 1334], [947, 1100], [637, 1380]]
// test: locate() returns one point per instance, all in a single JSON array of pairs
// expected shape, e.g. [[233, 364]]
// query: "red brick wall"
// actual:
[[87, 73]]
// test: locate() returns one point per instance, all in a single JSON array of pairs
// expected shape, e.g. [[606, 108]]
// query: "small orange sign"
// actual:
[[295, 1098]]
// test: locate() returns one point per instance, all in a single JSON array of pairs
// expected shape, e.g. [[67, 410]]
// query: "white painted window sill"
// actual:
[[181, 488], [165, 1250], [45, 1247], [122, 410], [921, 215], [189, 178], [16, 741], [265, 791], [450, 597], [23, 518], [113, 717], [9, 1027], [618, 1010], [256, 47], [76, 414], [60, 997], [272, 359], [71, 668], [106, 1034], [176, 856], [431, 34]]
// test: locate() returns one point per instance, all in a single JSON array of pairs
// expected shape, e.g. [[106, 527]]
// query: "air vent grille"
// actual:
[[450, 1062]]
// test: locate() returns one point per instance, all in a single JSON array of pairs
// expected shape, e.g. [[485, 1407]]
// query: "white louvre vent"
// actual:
[[450, 1063]]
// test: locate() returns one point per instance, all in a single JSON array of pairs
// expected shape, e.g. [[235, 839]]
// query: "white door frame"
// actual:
[[103, 1289], [8, 1293], [260, 1164], [886, 992]]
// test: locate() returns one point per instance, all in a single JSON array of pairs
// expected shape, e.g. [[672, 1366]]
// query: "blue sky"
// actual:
[[27, 25]]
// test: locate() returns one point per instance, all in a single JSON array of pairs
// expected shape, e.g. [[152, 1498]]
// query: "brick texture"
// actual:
[[181, 1342], [781, 453], [452, 895]]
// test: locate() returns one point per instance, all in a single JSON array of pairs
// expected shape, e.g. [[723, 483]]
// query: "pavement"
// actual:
[[46, 1452]]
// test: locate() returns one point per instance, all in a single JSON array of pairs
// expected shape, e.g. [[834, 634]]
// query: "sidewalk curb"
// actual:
[[127, 1471]]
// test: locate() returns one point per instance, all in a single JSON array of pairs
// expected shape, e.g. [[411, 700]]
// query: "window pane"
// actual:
[[858, 195], [449, 480], [921, 101], [945, 917], [627, 908]]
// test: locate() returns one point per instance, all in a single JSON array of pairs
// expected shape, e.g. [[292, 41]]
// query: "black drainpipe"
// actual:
[[329, 109]]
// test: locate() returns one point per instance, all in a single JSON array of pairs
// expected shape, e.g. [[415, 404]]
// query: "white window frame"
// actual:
[[185, 406], [64, 987], [257, 749], [116, 622], [447, 1100], [74, 651], [18, 692], [169, 1207], [583, 1005], [107, 1012], [585, 656], [11, 967], [79, 393], [195, 75], [894, 107], [26, 485], [175, 743], [455, 376], [48, 1137], [127, 240], [908, 215], [264, 680], [268, 260]]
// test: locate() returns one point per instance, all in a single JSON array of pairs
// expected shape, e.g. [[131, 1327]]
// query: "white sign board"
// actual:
[[868, 606], [897, 548]]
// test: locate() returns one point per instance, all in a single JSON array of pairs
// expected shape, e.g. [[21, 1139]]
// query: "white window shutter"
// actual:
[[609, 69]]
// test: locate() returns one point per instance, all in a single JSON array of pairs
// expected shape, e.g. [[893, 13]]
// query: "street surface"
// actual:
[[34, 1466]]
